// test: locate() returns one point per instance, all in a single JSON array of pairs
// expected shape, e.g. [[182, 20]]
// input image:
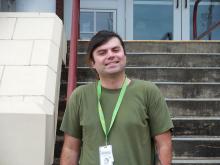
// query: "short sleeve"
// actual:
[[71, 120], [158, 112]]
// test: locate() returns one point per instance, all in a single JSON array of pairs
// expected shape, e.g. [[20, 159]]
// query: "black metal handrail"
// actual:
[[207, 32], [210, 28]]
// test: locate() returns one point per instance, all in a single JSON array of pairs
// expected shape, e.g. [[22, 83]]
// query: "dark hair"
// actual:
[[99, 39]]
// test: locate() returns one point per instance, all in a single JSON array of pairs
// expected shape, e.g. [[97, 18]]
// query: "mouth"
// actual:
[[113, 62]]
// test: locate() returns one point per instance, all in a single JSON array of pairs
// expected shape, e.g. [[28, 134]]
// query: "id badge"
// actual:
[[105, 155]]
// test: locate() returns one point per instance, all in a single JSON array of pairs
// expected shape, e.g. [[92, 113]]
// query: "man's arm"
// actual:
[[164, 147], [71, 151]]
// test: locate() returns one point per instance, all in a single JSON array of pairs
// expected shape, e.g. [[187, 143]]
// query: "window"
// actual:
[[92, 21], [152, 20], [208, 14], [7, 5]]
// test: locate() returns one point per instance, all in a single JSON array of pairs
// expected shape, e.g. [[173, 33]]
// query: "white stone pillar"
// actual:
[[31, 49]]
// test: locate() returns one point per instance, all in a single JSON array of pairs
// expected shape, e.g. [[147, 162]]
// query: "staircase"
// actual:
[[188, 74]]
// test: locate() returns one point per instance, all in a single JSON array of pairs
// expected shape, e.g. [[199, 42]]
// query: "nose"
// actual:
[[110, 54]]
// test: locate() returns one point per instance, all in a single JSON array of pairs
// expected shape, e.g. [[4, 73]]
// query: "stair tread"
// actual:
[[163, 75], [164, 46], [196, 118], [192, 99], [165, 83], [192, 158], [163, 53], [196, 138], [150, 67], [202, 160]]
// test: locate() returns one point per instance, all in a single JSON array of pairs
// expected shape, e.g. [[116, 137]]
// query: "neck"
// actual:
[[113, 82]]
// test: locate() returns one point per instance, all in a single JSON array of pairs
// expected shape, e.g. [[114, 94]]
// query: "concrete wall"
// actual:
[[32, 46]]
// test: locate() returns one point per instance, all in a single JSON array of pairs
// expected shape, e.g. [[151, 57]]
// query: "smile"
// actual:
[[114, 62]]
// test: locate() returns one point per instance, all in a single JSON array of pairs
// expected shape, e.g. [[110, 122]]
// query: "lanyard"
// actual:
[[101, 115]]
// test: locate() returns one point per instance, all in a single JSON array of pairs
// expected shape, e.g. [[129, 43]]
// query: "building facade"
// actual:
[[135, 19], [146, 19]]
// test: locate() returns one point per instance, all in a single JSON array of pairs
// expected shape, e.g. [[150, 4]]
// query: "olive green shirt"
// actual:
[[142, 115]]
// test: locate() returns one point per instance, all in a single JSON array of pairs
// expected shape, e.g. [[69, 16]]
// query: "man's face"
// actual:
[[109, 58]]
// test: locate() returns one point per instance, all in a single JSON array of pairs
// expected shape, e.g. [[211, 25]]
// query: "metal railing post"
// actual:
[[72, 72]]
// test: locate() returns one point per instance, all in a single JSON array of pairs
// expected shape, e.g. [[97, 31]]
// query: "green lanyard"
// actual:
[[101, 115]]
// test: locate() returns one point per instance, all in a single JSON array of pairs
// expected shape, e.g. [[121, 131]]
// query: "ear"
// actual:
[[92, 63]]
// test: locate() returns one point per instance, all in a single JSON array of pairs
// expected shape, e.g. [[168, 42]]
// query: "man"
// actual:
[[116, 120]]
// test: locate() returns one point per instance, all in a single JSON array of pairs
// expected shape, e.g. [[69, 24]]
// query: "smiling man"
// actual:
[[116, 120]]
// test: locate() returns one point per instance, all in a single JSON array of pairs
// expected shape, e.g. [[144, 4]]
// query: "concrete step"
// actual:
[[196, 146], [178, 107], [207, 126], [62, 104], [177, 90], [180, 161], [195, 90], [165, 46], [169, 60], [196, 161], [59, 120], [183, 146], [193, 107], [186, 126], [196, 126], [161, 74], [58, 146]]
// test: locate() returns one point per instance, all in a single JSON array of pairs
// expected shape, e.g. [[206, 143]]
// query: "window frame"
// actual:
[[95, 11]]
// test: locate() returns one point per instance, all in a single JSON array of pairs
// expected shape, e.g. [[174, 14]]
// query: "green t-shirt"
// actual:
[[142, 115]]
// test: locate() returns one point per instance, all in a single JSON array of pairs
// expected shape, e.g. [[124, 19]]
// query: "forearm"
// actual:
[[164, 148], [165, 154], [71, 151], [69, 157]]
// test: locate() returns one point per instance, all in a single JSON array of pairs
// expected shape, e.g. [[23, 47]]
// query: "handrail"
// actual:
[[210, 29], [72, 71], [195, 18]]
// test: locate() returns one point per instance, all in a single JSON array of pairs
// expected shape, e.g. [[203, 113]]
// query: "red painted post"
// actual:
[[72, 72]]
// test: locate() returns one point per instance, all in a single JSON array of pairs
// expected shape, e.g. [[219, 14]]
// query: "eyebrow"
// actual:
[[115, 47]]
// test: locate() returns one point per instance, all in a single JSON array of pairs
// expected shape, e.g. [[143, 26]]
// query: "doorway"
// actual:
[[172, 19]]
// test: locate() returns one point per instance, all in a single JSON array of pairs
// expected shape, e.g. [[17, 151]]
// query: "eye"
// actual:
[[101, 53], [116, 50]]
